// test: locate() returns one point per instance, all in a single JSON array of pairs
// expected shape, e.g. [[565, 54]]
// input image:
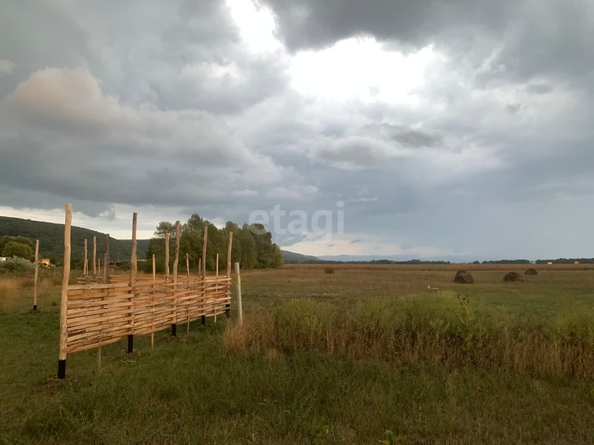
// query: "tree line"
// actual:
[[252, 245]]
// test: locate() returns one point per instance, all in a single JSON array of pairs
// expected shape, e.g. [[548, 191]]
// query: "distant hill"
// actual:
[[142, 246], [296, 258], [51, 239]]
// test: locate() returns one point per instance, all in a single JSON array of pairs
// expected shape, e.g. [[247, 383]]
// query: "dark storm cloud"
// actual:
[[314, 24], [511, 39]]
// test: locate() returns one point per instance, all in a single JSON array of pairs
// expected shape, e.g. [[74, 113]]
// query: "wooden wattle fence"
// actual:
[[100, 314], [94, 313]]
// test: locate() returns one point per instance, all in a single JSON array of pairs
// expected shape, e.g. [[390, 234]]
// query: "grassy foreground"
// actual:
[[289, 387]]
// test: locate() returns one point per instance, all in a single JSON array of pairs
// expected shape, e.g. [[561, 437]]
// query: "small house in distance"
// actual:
[[46, 262]]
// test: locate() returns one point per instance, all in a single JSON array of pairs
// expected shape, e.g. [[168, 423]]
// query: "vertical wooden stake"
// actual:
[[86, 261], [36, 286], [229, 250], [216, 287], [64, 295], [105, 275], [239, 305], [175, 264], [107, 259], [99, 274], [199, 266], [153, 308], [167, 257], [188, 266], [204, 248], [188, 277], [94, 256], [132, 281]]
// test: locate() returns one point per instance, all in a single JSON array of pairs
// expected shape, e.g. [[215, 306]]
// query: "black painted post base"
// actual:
[[61, 369], [130, 344], [204, 320], [174, 330], [34, 308]]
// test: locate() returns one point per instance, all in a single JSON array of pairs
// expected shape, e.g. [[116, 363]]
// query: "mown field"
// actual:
[[322, 359]]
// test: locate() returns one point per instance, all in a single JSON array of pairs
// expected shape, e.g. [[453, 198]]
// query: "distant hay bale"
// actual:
[[513, 276], [328, 270], [463, 277], [531, 272]]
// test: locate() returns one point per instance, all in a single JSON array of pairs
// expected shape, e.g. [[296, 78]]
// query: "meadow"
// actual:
[[336, 359]]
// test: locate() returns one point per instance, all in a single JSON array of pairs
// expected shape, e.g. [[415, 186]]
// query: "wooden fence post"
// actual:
[[175, 264], [153, 307], [215, 305], [132, 281], [229, 249], [166, 257], [188, 306], [64, 295], [204, 247], [188, 266], [36, 286], [94, 256], [107, 259], [86, 261], [239, 304]]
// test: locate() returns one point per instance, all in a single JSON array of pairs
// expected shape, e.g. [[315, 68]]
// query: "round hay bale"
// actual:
[[531, 272], [463, 277], [328, 270], [512, 277]]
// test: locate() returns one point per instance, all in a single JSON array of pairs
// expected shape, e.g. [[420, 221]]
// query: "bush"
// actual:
[[17, 265], [14, 248]]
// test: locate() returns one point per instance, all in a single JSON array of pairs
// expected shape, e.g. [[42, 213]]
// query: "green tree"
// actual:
[[14, 248], [249, 254]]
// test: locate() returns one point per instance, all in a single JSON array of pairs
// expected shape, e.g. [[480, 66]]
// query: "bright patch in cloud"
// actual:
[[358, 68], [362, 244], [256, 25]]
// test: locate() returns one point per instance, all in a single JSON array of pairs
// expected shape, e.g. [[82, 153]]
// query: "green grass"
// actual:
[[193, 390]]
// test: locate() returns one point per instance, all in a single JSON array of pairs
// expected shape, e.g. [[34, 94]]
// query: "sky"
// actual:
[[387, 127]]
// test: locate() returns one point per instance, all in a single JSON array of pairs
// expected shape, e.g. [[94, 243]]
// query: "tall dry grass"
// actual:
[[441, 328], [16, 292]]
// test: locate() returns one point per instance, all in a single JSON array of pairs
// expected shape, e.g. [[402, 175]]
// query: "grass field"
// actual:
[[336, 359]]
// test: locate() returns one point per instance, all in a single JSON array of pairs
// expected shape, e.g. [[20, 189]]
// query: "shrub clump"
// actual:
[[16, 265]]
